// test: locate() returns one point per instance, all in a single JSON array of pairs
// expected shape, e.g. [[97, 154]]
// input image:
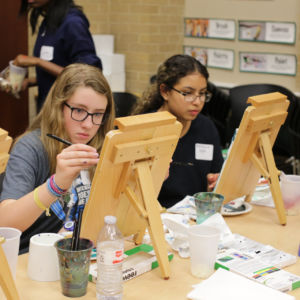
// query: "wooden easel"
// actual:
[[250, 155], [6, 279], [5, 143], [132, 167]]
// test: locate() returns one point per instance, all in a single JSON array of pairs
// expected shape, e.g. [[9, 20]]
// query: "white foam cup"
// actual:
[[203, 242], [43, 260], [16, 76], [11, 246]]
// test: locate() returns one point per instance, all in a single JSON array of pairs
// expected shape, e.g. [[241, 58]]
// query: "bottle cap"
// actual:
[[110, 220], [69, 225]]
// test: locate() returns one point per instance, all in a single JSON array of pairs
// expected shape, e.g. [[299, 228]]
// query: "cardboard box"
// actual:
[[104, 43], [117, 81], [137, 261], [112, 63]]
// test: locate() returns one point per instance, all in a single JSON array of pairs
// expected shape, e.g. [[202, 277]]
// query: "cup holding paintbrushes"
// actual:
[[74, 253]]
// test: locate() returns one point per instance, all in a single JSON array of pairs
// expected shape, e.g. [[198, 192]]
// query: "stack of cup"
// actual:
[[16, 76], [11, 247]]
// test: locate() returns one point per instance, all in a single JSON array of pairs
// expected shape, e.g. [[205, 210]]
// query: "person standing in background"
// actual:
[[63, 38], [181, 89]]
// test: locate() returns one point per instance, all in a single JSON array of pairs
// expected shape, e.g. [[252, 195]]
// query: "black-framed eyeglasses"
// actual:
[[79, 114], [188, 97]]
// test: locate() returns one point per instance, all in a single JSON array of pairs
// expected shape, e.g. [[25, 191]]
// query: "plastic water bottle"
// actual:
[[110, 249]]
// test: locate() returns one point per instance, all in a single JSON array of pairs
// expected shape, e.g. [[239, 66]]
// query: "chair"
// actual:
[[124, 103], [217, 109], [294, 130], [238, 97]]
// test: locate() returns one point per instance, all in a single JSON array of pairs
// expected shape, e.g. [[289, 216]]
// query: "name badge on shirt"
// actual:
[[47, 53], [204, 151]]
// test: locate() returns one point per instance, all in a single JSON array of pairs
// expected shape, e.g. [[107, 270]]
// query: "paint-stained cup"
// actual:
[[207, 204], [74, 266], [290, 193]]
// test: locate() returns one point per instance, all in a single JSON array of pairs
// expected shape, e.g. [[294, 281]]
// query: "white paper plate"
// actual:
[[236, 213]]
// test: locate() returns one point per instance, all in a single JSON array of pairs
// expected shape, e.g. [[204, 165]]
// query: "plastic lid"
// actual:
[[110, 219], [69, 225]]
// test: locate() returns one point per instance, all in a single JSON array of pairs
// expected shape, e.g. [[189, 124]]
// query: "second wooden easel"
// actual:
[[250, 154]]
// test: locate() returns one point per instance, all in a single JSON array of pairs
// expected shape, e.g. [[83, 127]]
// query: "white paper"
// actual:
[[226, 285]]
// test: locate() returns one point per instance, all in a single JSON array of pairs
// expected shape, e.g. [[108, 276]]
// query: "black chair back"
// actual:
[[124, 103], [294, 130], [217, 109], [238, 97]]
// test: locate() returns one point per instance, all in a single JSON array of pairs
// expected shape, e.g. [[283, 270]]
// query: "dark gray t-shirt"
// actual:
[[27, 168]]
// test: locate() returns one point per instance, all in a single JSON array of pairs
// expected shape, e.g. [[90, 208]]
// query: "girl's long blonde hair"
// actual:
[[50, 119]]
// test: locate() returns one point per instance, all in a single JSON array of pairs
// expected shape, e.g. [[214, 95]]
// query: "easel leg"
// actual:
[[139, 237], [6, 279], [155, 227], [266, 150]]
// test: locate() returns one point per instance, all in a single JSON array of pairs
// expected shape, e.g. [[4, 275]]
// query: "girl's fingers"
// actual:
[[80, 147], [83, 162], [67, 154]]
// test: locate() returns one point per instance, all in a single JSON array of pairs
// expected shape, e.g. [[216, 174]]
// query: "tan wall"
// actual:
[[263, 10], [147, 32]]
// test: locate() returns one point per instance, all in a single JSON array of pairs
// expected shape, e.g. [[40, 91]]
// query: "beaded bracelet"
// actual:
[[39, 203]]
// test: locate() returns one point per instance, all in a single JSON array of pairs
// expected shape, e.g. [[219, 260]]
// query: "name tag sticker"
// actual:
[[47, 53], [204, 151]]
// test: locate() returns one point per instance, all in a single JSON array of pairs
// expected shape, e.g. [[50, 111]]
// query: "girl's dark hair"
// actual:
[[169, 73], [56, 11]]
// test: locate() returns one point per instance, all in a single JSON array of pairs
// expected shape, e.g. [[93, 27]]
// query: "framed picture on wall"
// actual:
[[209, 28], [212, 57], [268, 32], [269, 63]]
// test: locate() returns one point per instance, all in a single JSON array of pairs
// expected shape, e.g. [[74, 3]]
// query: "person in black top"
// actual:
[[181, 88], [63, 38]]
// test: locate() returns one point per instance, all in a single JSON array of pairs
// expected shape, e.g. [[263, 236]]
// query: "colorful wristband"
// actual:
[[51, 190], [39, 203], [62, 191]]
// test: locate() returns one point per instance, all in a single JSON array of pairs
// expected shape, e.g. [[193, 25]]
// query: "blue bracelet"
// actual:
[[51, 190]]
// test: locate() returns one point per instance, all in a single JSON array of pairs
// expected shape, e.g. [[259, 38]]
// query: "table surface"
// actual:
[[261, 224]]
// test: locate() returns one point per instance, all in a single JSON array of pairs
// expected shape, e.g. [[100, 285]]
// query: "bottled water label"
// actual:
[[110, 256]]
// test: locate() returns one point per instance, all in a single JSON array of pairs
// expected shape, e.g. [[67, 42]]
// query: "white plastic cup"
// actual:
[[290, 189], [43, 260], [203, 242], [16, 76], [11, 247]]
